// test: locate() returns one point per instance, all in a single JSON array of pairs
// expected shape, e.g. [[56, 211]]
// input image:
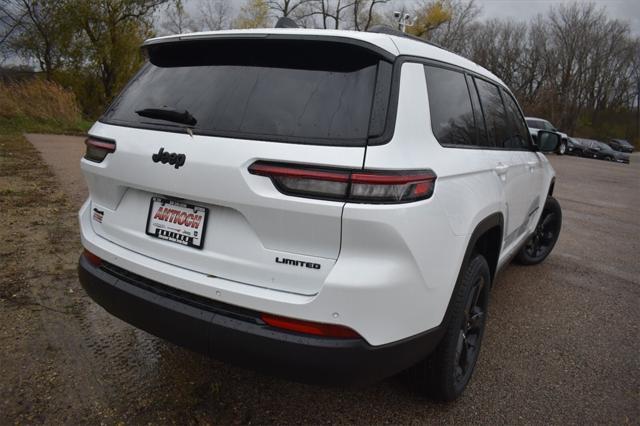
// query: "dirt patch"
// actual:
[[62, 154], [38, 288]]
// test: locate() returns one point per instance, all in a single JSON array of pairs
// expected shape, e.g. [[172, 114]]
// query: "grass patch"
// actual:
[[39, 106], [17, 125]]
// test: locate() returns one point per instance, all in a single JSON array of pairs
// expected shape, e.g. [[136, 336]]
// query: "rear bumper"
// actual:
[[240, 337]]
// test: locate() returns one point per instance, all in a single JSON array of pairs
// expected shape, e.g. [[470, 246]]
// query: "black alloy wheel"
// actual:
[[545, 236], [444, 375], [470, 334]]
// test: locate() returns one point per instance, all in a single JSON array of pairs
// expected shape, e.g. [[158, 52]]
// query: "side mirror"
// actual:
[[547, 141]]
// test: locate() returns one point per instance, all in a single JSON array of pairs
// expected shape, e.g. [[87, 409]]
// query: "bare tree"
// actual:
[[253, 14], [215, 15], [364, 13], [501, 47], [177, 20], [331, 14], [35, 29], [453, 34], [109, 34], [11, 19], [286, 8], [573, 64]]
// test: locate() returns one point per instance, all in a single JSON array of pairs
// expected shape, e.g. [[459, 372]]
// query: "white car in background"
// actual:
[[535, 124]]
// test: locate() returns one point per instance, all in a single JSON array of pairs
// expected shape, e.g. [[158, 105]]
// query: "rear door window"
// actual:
[[495, 114], [483, 139], [452, 118], [282, 90], [518, 132]]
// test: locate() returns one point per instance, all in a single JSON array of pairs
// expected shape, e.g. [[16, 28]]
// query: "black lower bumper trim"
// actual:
[[238, 336]]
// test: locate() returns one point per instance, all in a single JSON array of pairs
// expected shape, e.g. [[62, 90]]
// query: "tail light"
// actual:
[[98, 148], [309, 327], [357, 186]]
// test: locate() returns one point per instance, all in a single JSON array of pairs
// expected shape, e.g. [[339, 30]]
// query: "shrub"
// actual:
[[38, 99]]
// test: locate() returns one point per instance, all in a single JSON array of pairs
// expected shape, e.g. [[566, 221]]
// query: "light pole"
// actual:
[[403, 20]]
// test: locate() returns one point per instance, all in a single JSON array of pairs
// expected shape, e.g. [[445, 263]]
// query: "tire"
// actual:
[[446, 372], [544, 238], [562, 148]]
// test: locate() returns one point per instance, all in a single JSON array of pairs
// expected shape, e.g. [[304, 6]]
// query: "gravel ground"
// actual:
[[561, 346]]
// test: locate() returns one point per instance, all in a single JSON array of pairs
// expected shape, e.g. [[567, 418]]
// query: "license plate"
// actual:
[[178, 222]]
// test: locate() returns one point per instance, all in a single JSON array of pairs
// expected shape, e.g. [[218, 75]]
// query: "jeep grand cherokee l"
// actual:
[[329, 206]]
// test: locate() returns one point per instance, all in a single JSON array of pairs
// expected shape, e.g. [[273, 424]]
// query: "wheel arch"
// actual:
[[552, 185], [486, 239]]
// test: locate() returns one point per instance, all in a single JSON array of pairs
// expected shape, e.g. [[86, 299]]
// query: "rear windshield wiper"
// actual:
[[168, 114]]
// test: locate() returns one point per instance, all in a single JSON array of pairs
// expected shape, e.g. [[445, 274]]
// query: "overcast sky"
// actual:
[[624, 10]]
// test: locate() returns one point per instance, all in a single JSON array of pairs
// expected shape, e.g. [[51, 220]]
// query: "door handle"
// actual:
[[532, 165], [501, 169]]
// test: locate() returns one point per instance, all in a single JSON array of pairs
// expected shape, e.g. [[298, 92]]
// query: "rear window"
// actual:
[[282, 90]]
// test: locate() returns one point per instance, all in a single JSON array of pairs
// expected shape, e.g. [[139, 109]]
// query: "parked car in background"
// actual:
[[575, 147], [595, 149], [620, 145], [607, 153], [588, 147], [537, 124]]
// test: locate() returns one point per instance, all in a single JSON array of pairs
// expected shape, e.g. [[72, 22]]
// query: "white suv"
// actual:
[[329, 206]]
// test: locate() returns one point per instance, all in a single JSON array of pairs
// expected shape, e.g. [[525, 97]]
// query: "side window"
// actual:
[[483, 140], [518, 132], [452, 119], [535, 124], [495, 115]]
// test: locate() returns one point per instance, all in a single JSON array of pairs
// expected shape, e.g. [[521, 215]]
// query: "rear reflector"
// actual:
[[92, 258], [98, 148], [308, 327], [368, 186]]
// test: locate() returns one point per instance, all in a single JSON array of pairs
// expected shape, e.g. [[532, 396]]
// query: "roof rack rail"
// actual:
[[385, 29]]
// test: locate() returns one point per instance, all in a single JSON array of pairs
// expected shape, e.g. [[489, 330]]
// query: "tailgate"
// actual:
[[250, 223], [215, 107]]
